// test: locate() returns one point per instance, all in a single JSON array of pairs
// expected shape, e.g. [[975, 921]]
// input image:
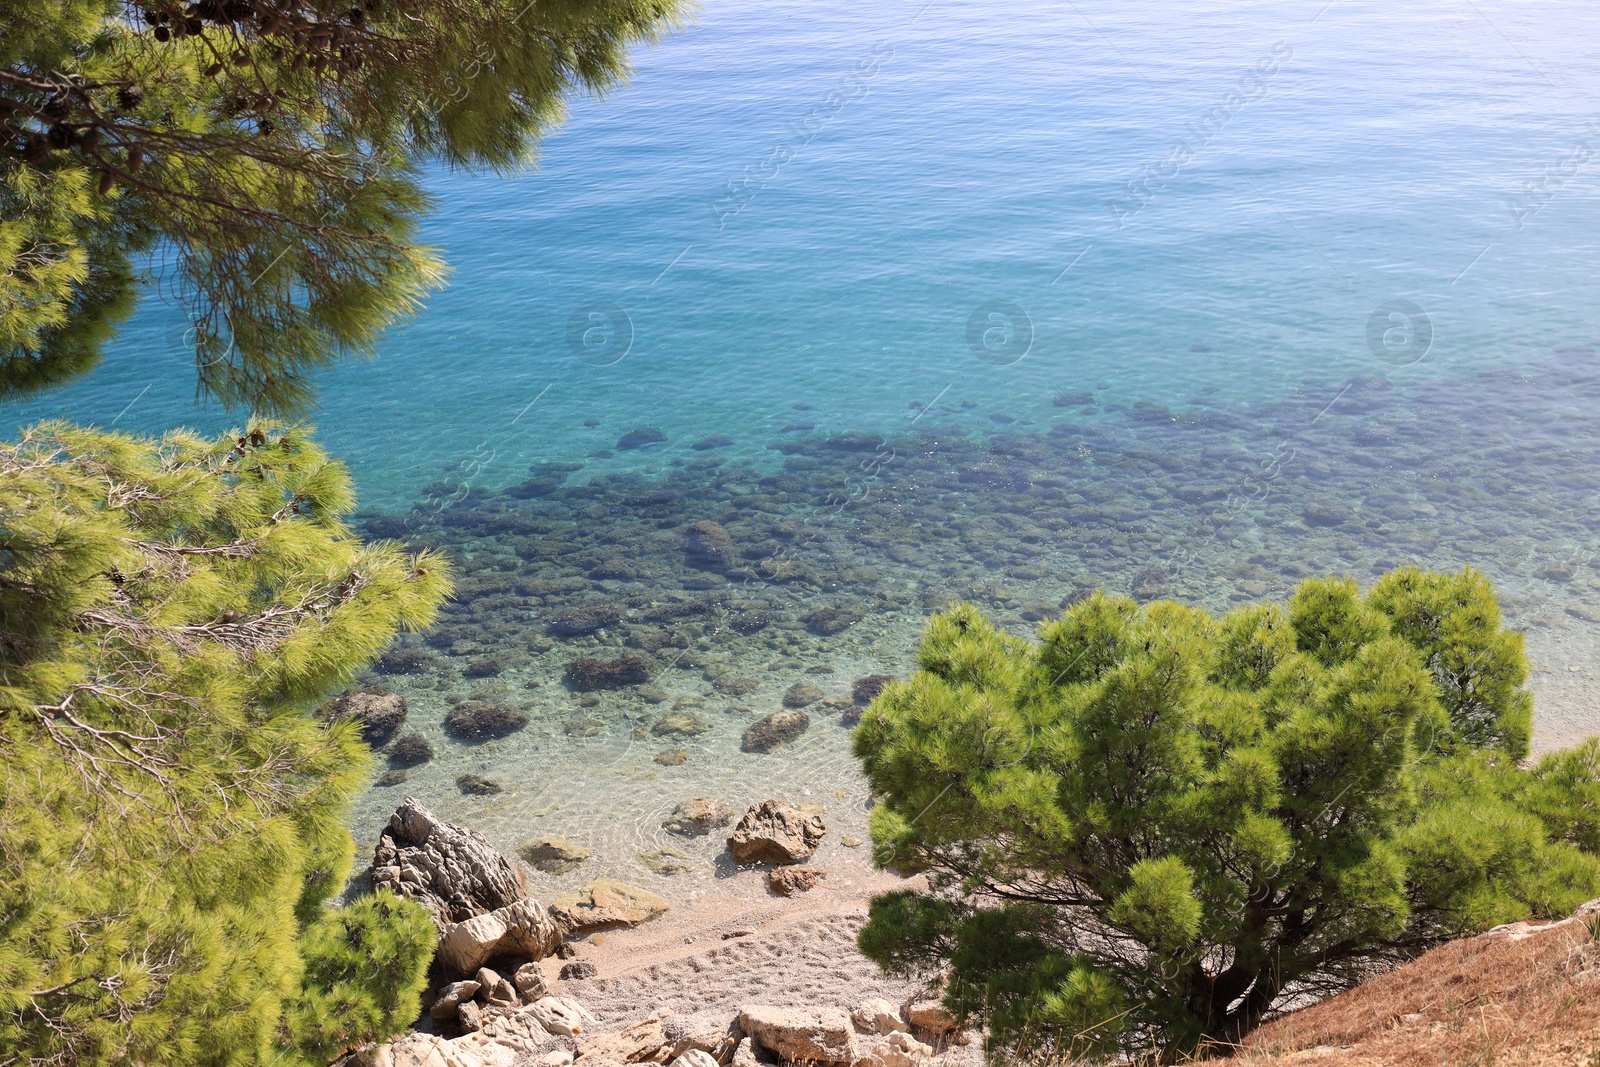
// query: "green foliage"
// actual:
[[365, 967], [271, 149], [171, 819], [1144, 830]]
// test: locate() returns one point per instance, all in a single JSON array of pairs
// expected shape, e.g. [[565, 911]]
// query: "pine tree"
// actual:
[[1152, 826], [171, 816], [271, 149]]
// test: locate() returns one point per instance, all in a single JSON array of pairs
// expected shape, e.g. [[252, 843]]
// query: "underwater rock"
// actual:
[[1326, 513], [1151, 583], [378, 712], [707, 545], [716, 440], [774, 832], [577, 622], [698, 817], [474, 785], [482, 722], [749, 621], [679, 724], [553, 855], [666, 861], [735, 685], [775, 730], [801, 694], [865, 690], [648, 435], [388, 778], [798, 427], [588, 673], [793, 878], [411, 750], [484, 667], [606, 903], [533, 488], [407, 661], [853, 441], [1073, 400], [825, 622], [671, 757]]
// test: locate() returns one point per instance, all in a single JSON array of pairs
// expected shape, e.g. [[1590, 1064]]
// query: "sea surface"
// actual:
[[993, 300]]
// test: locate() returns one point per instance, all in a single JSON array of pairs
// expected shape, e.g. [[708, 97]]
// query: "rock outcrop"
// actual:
[[802, 1035], [773, 832], [452, 871], [522, 929]]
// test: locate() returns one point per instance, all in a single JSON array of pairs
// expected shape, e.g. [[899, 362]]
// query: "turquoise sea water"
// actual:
[[1184, 299]]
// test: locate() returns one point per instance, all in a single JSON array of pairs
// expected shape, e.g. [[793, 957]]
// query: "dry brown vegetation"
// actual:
[[1526, 994]]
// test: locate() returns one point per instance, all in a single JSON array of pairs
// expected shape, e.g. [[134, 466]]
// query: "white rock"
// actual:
[[822, 1035], [877, 1016], [495, 990], [898, 1049], [694, 1058], [451, 997], [521, 928], [530, 982], [744, 1055], [559, 1015]]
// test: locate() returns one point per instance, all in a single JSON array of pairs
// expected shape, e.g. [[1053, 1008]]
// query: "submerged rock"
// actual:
[[478, 786], [801, 694], [716, 440], [774, 832], [606, 903], [587, 673], [698, 817], [825, 622], [865, 690], [481, 722], [378, 712], [553, 855], [708, 546], [775, 730], [411, 750], [578, 622], [680, 724], [648, 435]]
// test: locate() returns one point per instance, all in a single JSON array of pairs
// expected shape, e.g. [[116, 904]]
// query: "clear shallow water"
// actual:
[[900, 169]]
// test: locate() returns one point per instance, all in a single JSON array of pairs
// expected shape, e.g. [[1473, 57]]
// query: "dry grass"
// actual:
[[1527, 994]]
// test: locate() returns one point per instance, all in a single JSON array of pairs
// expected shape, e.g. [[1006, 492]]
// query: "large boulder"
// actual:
[[521, 929], [773, 832], [452, 871], [605, 903], [712, 1034], [801, 1035]]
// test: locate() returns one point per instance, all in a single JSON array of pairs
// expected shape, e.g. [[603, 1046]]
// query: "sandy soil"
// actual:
[[795, 951]]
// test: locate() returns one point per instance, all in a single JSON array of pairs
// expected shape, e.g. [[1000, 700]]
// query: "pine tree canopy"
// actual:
[[171, 817], [1152, 826], [267, 152]]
